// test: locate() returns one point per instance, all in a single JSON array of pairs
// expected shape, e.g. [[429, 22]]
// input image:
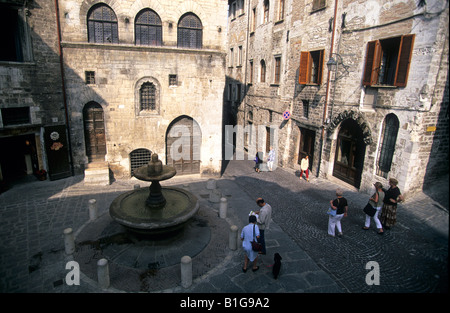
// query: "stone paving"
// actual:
[[413, 255]]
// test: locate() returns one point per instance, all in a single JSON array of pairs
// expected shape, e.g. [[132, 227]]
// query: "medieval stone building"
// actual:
[[364, 85], [123, 79]]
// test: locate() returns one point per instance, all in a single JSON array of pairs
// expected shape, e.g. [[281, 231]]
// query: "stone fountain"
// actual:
[[154, 211]]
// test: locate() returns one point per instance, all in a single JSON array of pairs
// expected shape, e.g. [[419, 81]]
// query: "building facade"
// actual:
[[124, 78], [365, 84]]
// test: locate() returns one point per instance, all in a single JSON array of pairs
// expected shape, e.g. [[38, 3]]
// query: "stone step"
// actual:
[[97, 173]]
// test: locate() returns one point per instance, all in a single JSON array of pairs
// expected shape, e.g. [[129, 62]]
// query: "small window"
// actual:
[[239, 60], [318, 4], [173, 80], [311, 67], [277, 70], [305, 108], [16, 116], [266, 11], [89, 77], [250, 80], [102, 25], [281, 10], [253, 28], [263, 72], [231, 58], [148, 97], [388, 61]]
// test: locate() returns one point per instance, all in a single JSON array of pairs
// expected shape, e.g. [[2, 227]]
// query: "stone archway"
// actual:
[[183, 143], [353, 137]]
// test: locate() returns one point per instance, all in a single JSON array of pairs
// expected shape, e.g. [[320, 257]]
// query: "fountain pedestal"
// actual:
[[156, 210]]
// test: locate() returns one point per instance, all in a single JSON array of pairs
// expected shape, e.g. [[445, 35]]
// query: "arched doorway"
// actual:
[[350, 151], [94, 132], [183, 141]]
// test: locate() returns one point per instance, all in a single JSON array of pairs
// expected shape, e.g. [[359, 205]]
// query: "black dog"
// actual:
[[277, 265]]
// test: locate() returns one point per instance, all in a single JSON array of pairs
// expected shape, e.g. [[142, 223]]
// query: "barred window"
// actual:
[[390, 131], [147, 97], [138, 158], [190, 32], [89, 77], [102, 25], [148, 28]]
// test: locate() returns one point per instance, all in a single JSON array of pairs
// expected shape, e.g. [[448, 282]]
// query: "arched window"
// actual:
[[190, 32], [263, 71], [138, 158], [102, 25], [147, 97], [387, 148], [148, 28]]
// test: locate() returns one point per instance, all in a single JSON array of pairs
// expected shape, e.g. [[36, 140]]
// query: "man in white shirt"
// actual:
[[263, 220]]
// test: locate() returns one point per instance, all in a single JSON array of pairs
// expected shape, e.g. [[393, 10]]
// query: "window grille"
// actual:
[[148, 96], [390, 131], [148, 28], [190, 32], [305, 108], [173, 81], [102, 25], [138, 158], [90, 77], [16, 116]]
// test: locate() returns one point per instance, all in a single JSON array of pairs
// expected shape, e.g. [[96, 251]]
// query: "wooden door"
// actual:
[[306, 147], [94, 132], [183, 142], [350, 151]]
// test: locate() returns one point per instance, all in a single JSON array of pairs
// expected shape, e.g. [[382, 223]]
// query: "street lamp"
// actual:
[[332, 65]]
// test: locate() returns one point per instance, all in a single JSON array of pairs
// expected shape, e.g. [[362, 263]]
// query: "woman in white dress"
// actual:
[[248, 233]]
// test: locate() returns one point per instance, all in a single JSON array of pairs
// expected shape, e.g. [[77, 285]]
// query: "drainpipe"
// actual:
[[325, 109], [61, 66]]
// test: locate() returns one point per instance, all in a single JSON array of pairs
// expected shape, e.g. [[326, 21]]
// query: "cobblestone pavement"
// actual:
[[412, 256]]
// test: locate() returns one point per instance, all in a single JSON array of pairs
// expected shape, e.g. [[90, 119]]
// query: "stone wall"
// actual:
[[119, 68]]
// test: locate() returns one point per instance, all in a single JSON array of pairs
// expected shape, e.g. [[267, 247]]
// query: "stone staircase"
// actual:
[[97, 173]]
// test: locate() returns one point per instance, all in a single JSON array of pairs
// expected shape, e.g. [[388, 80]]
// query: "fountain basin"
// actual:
[[130, 210]]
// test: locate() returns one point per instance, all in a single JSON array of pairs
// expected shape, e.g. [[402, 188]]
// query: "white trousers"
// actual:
[[270, 165], [375, 218], [334, 221]]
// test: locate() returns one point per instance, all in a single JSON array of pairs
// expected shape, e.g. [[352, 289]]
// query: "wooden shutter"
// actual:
[[304, 68], [404, 60], [372, 66], [320, 70]]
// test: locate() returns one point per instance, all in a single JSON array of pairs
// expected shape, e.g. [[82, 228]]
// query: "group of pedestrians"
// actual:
[[383, 200], [258, 223]]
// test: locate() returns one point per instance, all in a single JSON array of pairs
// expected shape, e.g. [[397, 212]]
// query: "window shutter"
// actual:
[[304, 68], [404, 60], [320, 70], [372, 65]]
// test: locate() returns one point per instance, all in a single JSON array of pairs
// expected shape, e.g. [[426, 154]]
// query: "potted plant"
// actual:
[[41, 174]]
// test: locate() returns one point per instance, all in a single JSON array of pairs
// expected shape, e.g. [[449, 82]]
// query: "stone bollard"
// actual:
[[136, 186], [186, 271], [233, 237], [93, 210], [211, 184], [223, 207], [69, 241], [103, 273]]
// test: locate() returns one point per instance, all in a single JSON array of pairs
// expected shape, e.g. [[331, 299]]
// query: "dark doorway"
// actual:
[[94, 132], [350, 151], [306, 147], [18, 157], [183, 141]]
